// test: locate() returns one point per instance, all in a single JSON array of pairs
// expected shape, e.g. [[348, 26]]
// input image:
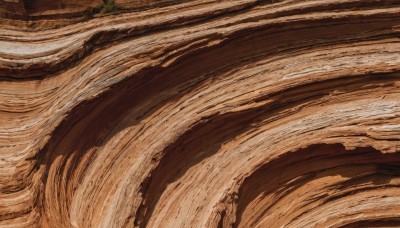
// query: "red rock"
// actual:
[[200, 113]]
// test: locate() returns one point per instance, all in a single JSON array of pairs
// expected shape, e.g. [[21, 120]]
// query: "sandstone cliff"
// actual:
[[202, 113]]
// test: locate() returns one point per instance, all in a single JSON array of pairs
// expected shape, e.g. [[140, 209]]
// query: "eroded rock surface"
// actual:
[[200, 113]]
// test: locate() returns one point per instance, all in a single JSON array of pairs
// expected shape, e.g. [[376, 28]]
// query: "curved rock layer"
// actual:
[[201, 113]]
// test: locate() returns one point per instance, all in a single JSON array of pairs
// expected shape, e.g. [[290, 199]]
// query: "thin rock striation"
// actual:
[[201, 113]]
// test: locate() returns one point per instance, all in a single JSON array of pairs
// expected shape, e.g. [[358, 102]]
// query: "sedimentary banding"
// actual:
[[202, 114]]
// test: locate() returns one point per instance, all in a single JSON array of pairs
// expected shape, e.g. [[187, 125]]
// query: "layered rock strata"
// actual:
[[200, 113]]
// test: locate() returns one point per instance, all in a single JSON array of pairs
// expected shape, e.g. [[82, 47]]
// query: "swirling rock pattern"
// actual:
[[202, 113]]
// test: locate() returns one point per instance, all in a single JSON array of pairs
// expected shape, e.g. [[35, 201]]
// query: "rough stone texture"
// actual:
[[200, 113]]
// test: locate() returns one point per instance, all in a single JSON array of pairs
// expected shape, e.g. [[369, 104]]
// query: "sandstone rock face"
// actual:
[[202, 113]]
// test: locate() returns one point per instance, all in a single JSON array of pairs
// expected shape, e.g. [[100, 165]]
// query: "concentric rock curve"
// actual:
[[200, 113]]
